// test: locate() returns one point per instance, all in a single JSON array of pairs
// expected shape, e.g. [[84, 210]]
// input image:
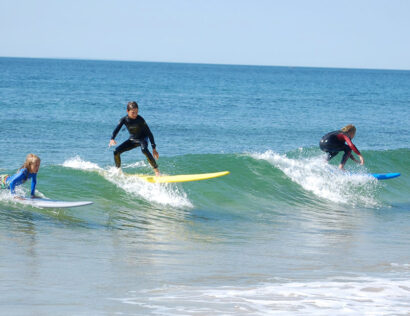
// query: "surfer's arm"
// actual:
[[155, 153], [16, 180], [353, 147], [361, 161], [115, 132], [350, 144], [148, 132], [150, 135], [117, 129], [33, 184]]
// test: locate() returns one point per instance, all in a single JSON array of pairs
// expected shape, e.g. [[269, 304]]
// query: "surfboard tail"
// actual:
[[386, 176]]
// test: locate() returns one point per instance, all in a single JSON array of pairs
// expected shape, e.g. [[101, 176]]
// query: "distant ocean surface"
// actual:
[[283, 234]]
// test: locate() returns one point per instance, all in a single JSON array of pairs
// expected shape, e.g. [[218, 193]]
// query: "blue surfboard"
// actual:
[[385, 176]]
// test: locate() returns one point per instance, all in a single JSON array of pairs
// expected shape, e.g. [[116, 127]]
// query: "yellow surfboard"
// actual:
[[180, 177]]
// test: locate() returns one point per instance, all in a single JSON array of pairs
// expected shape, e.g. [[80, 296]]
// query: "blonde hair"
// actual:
[[31, 160], [349, 129]]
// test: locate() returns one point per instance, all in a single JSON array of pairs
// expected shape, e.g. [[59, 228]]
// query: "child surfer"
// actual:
[[334, 142], [139, 135], [27, 171]]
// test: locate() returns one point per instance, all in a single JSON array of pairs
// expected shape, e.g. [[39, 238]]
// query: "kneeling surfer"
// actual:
[[27, 171], [334, 142], [139, 135]]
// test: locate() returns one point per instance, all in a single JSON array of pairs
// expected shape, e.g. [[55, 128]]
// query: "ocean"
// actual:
[[284, 233]]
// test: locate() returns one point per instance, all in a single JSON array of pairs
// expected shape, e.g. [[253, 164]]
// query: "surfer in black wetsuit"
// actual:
[[139, 135], [334, 142]]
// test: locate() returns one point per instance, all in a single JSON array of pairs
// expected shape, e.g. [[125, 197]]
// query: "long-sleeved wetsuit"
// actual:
[[334, 142], [139, 135], [19, 178]]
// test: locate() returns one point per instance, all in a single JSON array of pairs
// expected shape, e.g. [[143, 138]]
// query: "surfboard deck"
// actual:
[[180, 177], [385, 176], [47, 203]]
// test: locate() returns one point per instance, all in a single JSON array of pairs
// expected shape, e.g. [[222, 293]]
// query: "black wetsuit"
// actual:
[[334, 142], [139, 135]]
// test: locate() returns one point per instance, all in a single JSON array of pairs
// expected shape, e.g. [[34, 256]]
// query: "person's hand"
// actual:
[[155, 153], [361, 160], [112, 143]]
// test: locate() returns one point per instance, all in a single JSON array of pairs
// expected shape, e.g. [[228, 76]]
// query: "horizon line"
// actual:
[[199, 63]]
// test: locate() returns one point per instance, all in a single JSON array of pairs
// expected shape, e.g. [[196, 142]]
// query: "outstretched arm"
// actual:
[[115, 132]]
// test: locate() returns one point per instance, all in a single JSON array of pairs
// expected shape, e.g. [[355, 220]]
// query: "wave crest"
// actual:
[[324, 180]]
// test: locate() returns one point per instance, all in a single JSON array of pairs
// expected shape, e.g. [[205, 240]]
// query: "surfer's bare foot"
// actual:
[[157, 172]]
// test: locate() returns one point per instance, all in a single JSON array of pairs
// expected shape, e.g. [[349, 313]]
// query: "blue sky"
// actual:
[[316, 33]]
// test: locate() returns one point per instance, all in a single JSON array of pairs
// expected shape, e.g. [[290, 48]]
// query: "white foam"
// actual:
[[77, 163], [137, 164], [336, 296], [316, 176], [164, 194], [6, 196]]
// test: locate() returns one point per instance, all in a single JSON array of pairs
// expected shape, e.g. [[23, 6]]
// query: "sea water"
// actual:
[[285, 233]]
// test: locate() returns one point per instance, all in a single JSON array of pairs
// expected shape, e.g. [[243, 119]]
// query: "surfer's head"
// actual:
[[32, 163], [132, 109], [350, 130]]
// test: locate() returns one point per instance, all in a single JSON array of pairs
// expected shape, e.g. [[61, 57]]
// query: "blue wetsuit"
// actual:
[[19, 178]]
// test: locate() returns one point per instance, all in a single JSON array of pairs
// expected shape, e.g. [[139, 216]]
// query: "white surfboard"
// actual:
[[46, 203]]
